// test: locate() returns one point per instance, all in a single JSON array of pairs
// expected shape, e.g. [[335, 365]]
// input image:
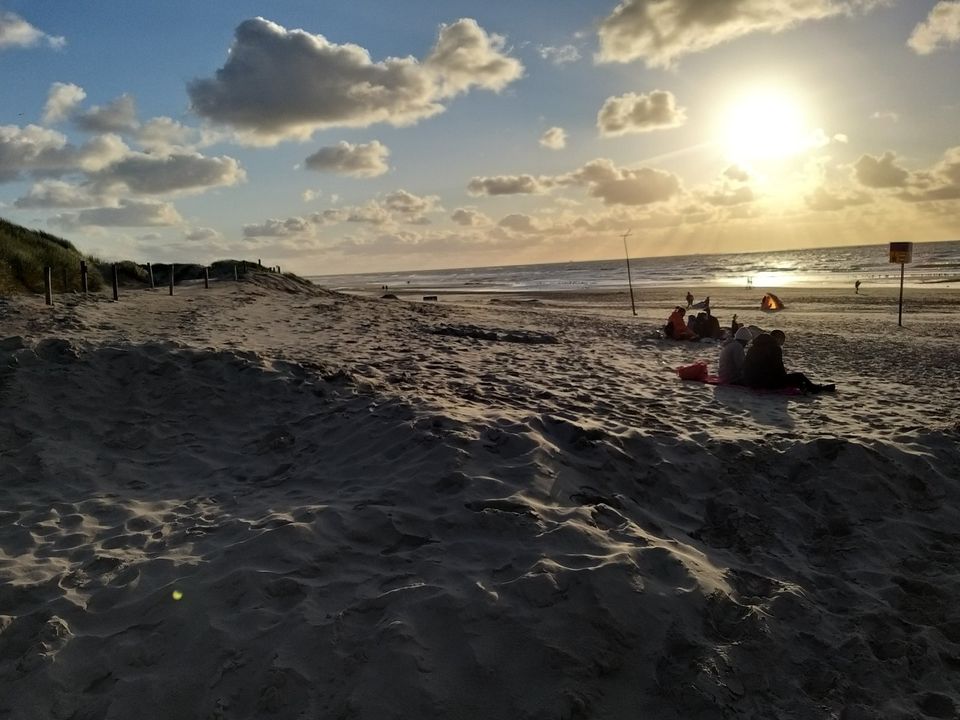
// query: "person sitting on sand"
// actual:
[[734, 325], [698, 325], [713, 326], [763, 366], [732, 358], [678, 330]]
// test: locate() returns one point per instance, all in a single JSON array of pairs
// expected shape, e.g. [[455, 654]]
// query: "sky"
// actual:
[[363, 136]]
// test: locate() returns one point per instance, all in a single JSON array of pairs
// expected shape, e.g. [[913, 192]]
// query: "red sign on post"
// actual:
[[901, 252]]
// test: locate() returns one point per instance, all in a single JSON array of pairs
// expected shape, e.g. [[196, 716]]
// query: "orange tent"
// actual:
[[771, 303]]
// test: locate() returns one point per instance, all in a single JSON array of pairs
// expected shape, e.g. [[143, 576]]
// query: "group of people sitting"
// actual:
[[693, 327], [761, 364]]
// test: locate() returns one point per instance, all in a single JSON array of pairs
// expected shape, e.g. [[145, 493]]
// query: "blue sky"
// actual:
[[345, 137]]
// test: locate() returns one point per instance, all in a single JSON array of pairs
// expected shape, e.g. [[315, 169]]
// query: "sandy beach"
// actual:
[[248, 502]]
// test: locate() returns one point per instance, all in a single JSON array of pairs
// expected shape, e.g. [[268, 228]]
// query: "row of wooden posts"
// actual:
[[48, 278]]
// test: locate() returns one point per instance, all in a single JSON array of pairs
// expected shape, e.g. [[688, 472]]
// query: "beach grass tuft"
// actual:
[[25, 253]]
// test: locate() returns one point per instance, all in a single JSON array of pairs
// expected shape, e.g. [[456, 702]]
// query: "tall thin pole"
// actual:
[[900, 312], [633, 305]]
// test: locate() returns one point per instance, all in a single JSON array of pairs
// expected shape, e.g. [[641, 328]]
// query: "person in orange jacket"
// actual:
[[676, 328]]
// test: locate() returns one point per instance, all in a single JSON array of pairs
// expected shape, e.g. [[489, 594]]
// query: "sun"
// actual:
[[767, 124]]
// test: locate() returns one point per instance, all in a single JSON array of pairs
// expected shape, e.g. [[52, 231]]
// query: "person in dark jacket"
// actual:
[[763, 366]]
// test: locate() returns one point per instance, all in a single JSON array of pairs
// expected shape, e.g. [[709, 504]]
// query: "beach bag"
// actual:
[[696, 371]]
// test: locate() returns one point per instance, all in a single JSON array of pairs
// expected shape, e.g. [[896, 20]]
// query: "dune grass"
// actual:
[[25, 253]]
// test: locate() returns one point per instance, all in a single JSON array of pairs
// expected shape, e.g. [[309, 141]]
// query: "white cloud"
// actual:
[[127, 213], [737, 173], [106, 166], [518, 222], [281, 84], [466, 56], [830, 200], [661, 31], [559, 55], [632, 113], [882, 172], [346, 159], [507, 185], [61, 100], [601, 178], [309, 195], [201, 234], [555, 138], [940, 29], [58, 194], [941, 182], [399, 206], [468, 217], [163, 134], [17, 32], [938, 183], [279, 228], [118, 116], [145, 174], [885, 115], [408, 204], [40, 151], [624, 186], [729, 196]]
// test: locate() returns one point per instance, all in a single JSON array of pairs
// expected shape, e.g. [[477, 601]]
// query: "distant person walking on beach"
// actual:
[[763, 366], [689, 298], [856, 287]]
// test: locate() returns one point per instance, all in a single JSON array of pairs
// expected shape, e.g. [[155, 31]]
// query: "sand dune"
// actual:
[[389, 509]]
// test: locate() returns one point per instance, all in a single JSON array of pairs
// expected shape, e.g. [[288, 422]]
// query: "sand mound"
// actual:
[[286, 283], [341, 552]]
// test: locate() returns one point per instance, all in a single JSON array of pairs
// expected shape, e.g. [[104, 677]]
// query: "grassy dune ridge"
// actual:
[[24, 253]]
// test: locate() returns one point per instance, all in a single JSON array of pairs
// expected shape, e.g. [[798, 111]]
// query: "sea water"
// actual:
[[933, 263]]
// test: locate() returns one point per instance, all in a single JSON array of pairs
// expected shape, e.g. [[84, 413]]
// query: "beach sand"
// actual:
[[244, 502]]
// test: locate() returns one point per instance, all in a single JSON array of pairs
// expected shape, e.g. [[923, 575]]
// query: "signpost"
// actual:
[[901, 252]]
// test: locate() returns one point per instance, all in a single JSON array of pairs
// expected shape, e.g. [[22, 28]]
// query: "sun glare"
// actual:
[[766, 125]]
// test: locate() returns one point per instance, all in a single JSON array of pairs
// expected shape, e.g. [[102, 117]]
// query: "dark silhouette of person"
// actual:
[[856, 287], [689, 298], [763, 366]]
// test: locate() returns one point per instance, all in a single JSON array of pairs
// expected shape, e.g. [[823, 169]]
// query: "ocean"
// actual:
[[933, 263]]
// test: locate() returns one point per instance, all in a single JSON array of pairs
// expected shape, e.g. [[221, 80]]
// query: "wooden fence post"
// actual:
[[236, 278], [206, 278], [83, 276], [259, 262], [150, 273], [48, 284], [171, 278], [278, 270], [116, 283]]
